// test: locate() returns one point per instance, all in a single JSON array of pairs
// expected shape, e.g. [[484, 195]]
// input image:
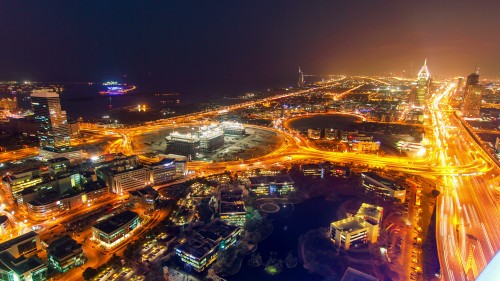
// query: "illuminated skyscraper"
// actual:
[[473, 96], [423, 83], [300, 83], [52, 122]]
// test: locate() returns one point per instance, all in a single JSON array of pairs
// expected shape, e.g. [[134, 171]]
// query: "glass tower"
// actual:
[[52, 122]]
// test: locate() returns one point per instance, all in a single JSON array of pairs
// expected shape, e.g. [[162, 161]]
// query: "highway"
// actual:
[[468, 217]]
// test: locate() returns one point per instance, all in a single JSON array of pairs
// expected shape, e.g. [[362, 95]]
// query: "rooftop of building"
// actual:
[[387, 182], [45, 93], [207, 237], [369, 211], [227, 207], [352, 274], [62, 247], [196, 247], [279, 179], [57, 160], [8, 244], [165, 162], [231, 195], [115, 222], [19, 265], [146, 191], [350, 224]]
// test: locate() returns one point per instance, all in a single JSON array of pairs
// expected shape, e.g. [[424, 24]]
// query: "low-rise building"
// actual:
[[16, 183], [202, 249], [233, 212], [233, 128], [271, 185], [146, 197], [114, 229], [313, 170], [375, 183], [122, 180], [65, 253], [58, 165], [71, 153], [359, 229], [314, 133], [163, 171], [365, 146], [15, 261]]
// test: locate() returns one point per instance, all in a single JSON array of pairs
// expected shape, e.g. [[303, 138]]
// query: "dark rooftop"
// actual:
[[19, 265], [6, 245], [62, 247], [115, 222], [387, 182], [58, 159]]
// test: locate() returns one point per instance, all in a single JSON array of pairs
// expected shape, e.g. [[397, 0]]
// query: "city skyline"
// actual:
[[196, 46]]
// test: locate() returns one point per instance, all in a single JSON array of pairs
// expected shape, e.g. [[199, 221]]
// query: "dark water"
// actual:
[[336, 121], [310, 214]]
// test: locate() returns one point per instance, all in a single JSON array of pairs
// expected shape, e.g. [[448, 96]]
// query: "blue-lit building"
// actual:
[[202, 249]]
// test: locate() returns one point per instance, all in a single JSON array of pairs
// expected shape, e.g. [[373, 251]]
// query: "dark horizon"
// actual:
[[234, 47]]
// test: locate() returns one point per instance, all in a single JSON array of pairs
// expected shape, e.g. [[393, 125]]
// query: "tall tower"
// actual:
[[300, 83], [473, 96], [52, 122], [423, 82]]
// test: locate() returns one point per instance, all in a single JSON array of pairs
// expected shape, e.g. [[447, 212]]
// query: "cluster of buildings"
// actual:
[[271, 185], [201, 249], [19, 260], [206, 139], [359, 229], [47, 189], [386, 187], [125, 173], [356, 141]]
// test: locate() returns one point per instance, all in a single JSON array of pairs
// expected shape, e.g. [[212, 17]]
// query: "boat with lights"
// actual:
[[113, 88]]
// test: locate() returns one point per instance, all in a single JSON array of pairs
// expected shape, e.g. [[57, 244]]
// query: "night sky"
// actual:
[[236, 46]]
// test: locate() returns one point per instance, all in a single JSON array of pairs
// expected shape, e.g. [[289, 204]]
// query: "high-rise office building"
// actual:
[[423, 83], [52, 122], [473, 95]]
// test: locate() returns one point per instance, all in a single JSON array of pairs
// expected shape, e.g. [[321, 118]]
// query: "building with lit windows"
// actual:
[[120, 179], [146, 197], [313, 170], [423, 84], [65, 253], [183, 144], [231, 206], [233, 128], [375, 183], [163, 171], [473, 95], [271, 185], [314, 133], [114, 229], [211, 138], [202, 249], [58, 165], [362, 228], [17, 262], [16, 183], [52, 122], [8, 103]]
